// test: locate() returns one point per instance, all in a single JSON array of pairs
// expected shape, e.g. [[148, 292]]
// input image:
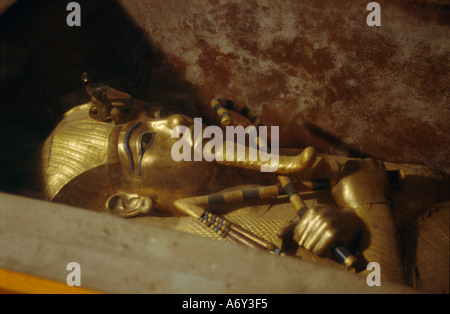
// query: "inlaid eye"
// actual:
[[145, 141]]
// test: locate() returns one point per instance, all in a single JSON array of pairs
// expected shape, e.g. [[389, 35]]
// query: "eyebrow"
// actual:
[[126, 144]]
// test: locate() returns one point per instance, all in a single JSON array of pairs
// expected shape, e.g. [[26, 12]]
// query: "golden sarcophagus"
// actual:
[[232, 147]]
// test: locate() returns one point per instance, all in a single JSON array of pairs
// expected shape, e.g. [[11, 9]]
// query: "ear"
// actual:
[[128, 205]]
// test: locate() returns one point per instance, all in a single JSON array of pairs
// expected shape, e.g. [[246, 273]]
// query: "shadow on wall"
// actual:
[[42, 60]]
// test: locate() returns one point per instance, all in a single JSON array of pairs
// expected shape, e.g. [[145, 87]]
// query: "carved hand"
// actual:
[[324, 227]]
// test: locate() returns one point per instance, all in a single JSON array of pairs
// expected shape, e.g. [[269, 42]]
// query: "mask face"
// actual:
[[145, 144], [85, 161], [144, 148]]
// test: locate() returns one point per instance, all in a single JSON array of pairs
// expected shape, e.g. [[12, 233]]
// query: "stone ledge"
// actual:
[[120, 256]]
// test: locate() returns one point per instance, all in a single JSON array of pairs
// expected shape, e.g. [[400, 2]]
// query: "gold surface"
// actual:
[[123, 165]]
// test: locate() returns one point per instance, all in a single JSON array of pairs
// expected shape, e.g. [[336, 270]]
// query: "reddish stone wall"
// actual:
[[317, 70]]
